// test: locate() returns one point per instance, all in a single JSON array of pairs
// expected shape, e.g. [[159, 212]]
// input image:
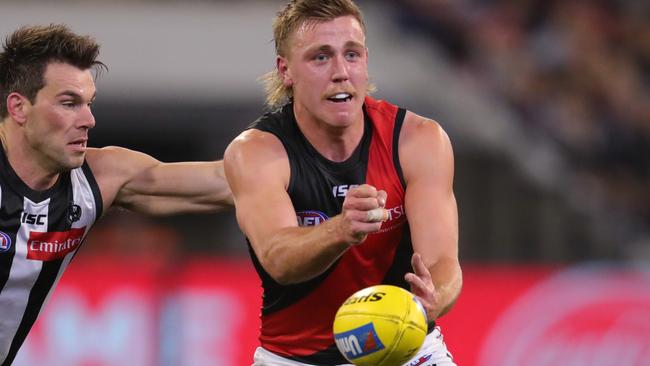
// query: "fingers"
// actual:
[[363, 212], [369, 201], [364, 197], [377, 215], [422, 285], [420, 268]]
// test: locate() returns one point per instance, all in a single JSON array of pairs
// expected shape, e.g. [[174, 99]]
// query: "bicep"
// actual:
[[427, 161], [185, 179]]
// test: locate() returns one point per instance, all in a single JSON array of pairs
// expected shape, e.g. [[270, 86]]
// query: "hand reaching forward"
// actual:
[[362, 214], [422, 286]]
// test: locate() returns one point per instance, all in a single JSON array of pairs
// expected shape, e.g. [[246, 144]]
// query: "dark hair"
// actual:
[[27, 52]]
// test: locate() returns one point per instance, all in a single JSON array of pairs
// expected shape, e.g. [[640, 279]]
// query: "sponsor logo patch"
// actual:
[[359, 342], [5, 242], [310, 218], [54, 245]]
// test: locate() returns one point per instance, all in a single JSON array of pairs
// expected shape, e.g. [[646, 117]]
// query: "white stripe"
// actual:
[[23, 275], [83, 196], [24, 272]]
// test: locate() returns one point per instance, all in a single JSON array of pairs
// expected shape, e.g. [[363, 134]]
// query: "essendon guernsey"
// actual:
[[297, 319]]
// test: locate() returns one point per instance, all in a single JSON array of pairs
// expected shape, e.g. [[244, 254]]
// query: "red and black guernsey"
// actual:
[[297, 319]]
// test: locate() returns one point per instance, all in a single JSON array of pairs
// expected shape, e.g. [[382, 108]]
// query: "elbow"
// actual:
[[280, 274], [277, 267]]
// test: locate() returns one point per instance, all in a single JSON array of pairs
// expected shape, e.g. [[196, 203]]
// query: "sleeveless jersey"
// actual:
[[40, 232], [297, 319]]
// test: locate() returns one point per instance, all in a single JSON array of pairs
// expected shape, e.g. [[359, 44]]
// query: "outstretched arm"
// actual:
[[427, 161], [258, 171], [138, 182]]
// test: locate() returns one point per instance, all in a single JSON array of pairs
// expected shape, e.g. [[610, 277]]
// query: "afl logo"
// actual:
[[310, 218], [5, 242]]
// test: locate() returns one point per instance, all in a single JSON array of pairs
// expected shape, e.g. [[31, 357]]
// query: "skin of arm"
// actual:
[[138, 182], [258, 171], [427, 161]]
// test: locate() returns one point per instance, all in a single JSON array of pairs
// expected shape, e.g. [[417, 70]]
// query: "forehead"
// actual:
[[61, 76], [335, 32]]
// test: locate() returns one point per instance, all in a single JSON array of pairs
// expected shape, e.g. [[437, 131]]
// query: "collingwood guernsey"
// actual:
[[40, 232]]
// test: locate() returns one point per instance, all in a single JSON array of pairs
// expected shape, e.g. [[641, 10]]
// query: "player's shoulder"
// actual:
[[422, 131], [255, 156], [108, 156], [418, 124], [117, 162], [254, 143]]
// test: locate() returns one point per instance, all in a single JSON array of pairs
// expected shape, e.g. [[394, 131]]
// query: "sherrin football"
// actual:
[[380, 325]]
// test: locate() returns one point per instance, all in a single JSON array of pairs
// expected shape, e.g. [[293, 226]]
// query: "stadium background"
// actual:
[[546, 103]]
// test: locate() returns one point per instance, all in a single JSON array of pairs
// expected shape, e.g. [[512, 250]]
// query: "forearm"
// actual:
[[165, 189], [298, 254], [167, 206], [448, 280]]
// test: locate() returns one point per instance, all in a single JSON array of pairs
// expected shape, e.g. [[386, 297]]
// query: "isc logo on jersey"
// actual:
[[359, 342], [310, 218], [342, 190]]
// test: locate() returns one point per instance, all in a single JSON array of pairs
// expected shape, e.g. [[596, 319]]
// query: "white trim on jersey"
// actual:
[[82, 195], [25, 273]]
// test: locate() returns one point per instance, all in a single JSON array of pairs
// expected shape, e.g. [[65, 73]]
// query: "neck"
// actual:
[[27, 167], [335, 143]]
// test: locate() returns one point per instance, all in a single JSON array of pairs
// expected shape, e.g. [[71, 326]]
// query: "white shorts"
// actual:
[[433, 353]]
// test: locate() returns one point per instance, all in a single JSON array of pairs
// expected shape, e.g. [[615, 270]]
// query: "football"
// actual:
[[380, 325]]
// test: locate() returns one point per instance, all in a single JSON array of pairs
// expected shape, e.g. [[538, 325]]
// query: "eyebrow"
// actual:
[[74, 94], [326, 47], [354, 44]]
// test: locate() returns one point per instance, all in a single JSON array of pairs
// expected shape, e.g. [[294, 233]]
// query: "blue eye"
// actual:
[[352, 55]]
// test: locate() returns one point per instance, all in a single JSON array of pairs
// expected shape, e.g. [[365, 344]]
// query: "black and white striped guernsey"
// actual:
[[40, 232]]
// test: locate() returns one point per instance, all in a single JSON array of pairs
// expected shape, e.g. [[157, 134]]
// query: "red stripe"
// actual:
[[305, 327]]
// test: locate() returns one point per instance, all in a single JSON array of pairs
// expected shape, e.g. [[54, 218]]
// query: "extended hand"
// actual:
[[422, 286]]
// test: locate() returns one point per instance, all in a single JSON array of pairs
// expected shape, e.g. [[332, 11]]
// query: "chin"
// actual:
[[74, 163], [344, 118]]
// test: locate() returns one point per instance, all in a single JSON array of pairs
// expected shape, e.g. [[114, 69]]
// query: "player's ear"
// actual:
[[282, 65], [17, 107]]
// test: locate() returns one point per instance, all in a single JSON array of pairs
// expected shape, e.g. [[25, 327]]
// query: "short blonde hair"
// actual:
[[292, 16]]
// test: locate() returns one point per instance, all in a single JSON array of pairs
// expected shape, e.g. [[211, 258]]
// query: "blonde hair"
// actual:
[[293, 15]]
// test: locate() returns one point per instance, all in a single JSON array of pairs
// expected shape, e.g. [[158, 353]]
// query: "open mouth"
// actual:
[[78, 143], [340, 98]]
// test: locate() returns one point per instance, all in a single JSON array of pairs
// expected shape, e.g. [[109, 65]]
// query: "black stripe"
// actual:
[[10, 212], [399, 121], [57, 222], [97, 194], [36, 298]]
